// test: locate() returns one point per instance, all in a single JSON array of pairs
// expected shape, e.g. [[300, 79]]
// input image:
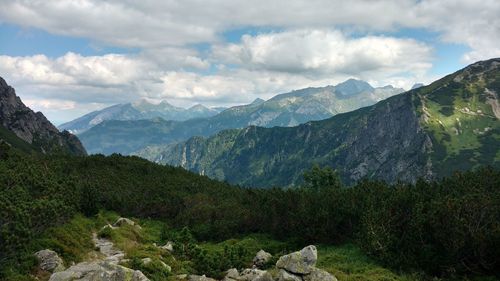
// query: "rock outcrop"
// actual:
[[261, 258], [98, 271], [33, 127], [49, 261], [249, 274], [301, 266]]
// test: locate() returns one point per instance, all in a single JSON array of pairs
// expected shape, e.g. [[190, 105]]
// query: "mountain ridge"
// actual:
[[288, 109], [426, 133], [138, 110], [31, 127]]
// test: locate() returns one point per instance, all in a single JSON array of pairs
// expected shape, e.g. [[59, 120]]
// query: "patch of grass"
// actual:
[[72, 241], [349, 263]]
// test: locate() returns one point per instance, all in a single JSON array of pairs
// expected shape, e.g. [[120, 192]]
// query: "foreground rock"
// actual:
[[300, 266], [49, 261], [301, 262], [124, 221], [261, 258], [199, 278], [98, 271], [249, 274]]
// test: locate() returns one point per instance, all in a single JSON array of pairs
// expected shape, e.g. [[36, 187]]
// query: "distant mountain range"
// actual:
[[138, 111], [429, 132], [289, 109], [30, 131]]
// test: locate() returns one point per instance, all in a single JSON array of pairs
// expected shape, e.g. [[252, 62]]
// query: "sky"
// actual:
[[70, 57]]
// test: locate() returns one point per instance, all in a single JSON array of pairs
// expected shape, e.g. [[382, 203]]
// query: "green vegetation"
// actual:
[[447, 228], [430, 132]]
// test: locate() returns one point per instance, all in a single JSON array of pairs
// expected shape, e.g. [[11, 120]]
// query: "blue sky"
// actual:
[[67, 58]]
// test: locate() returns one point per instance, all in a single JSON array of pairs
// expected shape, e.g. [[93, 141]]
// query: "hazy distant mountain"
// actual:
[[137, 111], [284, 110], [27, 130], [452, 124]]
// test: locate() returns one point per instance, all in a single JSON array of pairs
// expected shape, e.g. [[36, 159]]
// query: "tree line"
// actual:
[[444, 228]]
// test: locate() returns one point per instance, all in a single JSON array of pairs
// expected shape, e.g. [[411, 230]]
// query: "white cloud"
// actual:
[[327, 53], [147, 24]]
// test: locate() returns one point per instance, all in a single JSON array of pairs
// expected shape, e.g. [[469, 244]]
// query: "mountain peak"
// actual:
[[198, 107], [257, 101], [33, 127], [353, 86]]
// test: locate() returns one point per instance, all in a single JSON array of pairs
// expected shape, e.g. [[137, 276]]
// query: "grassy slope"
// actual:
[[73, 243]]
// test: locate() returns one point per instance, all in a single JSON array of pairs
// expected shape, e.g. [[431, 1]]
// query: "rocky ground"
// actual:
[[108, 266]]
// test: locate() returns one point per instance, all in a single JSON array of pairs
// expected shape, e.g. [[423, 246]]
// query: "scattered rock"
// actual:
[[232, 274], [98, 271], [261, 258], [49, 261], [199, 278], [319, 275], [254, 274], [300, 266], [124, 221], [301, 262], [146, 261], [169, 246]]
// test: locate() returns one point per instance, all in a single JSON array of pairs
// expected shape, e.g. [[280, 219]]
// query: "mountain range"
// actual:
[[31, 131], [429, 132], [139, 110], [285, 110]]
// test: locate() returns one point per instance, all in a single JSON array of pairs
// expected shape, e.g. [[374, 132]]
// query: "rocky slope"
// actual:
[[289, 109], [137, 111], [33, 128], [427, 132]]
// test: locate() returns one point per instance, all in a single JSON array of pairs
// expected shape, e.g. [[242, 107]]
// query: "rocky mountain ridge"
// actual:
[[285, 110], [428, 132], [139, 110], [33, 127]]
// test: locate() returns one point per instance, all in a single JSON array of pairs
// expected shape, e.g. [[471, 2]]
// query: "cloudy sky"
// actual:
[[68, 57]]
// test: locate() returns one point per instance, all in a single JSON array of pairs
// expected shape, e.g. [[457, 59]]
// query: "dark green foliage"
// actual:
[[443, 228]]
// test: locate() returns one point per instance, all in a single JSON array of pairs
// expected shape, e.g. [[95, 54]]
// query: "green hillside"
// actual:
[[430, 132]]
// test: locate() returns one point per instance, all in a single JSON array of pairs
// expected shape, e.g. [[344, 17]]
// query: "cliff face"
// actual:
[[385, 141], [33, 127], [427, 133]]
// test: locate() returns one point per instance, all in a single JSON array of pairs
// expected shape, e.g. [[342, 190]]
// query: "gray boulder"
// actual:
[[124, 221], [98, 271], [169, 246], [319, 275], [231, 275], [254, 274], [261, 258], [49, 261], [284, 275], [200, 278], [301, 262]]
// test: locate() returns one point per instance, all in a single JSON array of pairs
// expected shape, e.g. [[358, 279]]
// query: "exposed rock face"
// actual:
[[98, 271], [261, 258], [49, 261], [405, 137], [300, 266], [33, 127]]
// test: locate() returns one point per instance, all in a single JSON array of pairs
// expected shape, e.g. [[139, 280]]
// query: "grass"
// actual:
[[73, 242]]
